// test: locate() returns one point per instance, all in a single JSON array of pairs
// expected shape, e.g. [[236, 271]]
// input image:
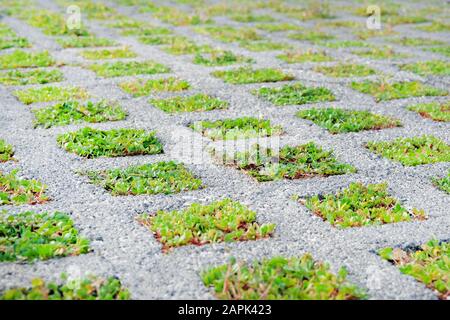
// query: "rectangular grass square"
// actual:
[[264, 45], [18, 191], [92, 143], [220, 58], [47, 94], [197, 102], [428, 264], [294, 94], [298, 162], [23, 59], [298, 56], [140, 87], [221, 221], [383, 91], [345, 70], [337, 120], [165, 177], [102, 54], [413, 151], [35, 76], [85, 42], [280, 278], [229, 33], [427, 68], [6, 151], [361, 205], [247, 75], [132, 68], [13, 42], [433, 110], [240, 128], [381, 53], [30, 236]]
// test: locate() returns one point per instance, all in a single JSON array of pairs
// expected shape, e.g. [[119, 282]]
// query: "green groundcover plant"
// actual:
[[23, 59], [6, 151], [361, 205], [197, 102], [17, 191], [229, 129], [298, 56], [220, 58], [246, 75], [85, 42], [108, 54], [93, 143], [299, 162], [224, 220], [345, 70], [294, 94], [142, 87], [36, 76], [337, 120], [88, 288], [162, 177], [280, 278], [443, 183], [413, 151], [428, 264], [131, 68], [426, 68], [50, 93], [433, 110], [28, 236]]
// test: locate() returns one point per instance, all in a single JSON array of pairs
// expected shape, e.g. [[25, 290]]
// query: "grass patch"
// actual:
[[337, 120], [197, 102], [280, 278], [445, 50], [240, 128], [132, 68], [13, 42], [360, 205], [17, 191], [380, 53], [383, 91], [366, 33], [220, 58], [75, 112], [416, 42], [277, 27], [6, 151], [247, 75], [46, 94], [298, 56], [249, 17], [29, 236], [313, 36], [85, 42], [428, 264], [299, 162], [435, 26], [343, 44], [426, 68], [90, 288], [108, 54], [345, 70], [264, 45], [92, 143], [22, 59], [434, 110], [412, 151], [443, 184], [154, 178], [294, 94], [140, 87], [221, 221], [229, 34], [181, 45], [37, 76]]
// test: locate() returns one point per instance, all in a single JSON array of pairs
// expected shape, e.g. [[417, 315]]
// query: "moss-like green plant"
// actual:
[[294, 94], [197, 102], [313, 36], [108, 54], [426, 68], [178, 17], [89, 288], [413, 151], [239, 128], [365, 34], [46, 94], [145, 31], [229, 34], [299, 162], [132, 68], [428, 264], [380, 53], [85, 42], [249, 17], [220, 58], [36, 76], [277, 27], [436, 26], [264, 45], [416, 42], [443, 183], [221, 221], [434, 110], [141, 87], [17, 191], [22, 59], [30, 236], [298, 56], [92, 143], [181, 45], [343, 43], [75, 112], [345, 70], [13, 42], [154, 178], [445, 50], [383, 91], [245, 75], [280, 278], [6, 151], [337, 120], [360, 205]]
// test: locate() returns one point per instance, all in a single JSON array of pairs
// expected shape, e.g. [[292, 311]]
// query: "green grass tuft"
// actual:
[[413, 151], [13, 42], [313, 36], [345, 70], [246, 75], [426, 68], [434, 110], [47, 94], [6, 151], [140, 87], [264, 45], [294, 94], [17, 191], [416, 42], [381, 53], [132, 68], [37, 76], [92, 143], [248, 17], [85, 42], [444, 183], [445, 50], [22, 59], [229, 34], [108, 54], [277, 27], [298, 56], [220, 58], [197, 102]]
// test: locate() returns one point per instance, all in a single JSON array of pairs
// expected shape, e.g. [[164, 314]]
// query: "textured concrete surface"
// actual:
[[124, 248]]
